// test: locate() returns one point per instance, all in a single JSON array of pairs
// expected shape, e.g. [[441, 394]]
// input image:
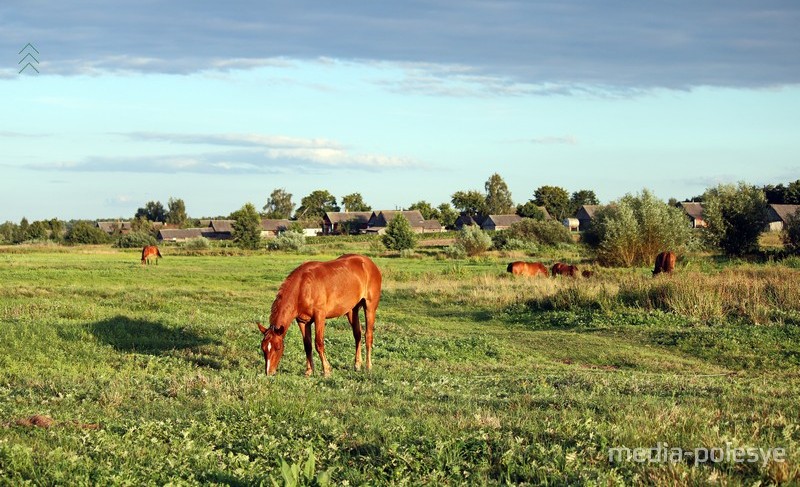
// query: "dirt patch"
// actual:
[[437, 242], [46, 422]]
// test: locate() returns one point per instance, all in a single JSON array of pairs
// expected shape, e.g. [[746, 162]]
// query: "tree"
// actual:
[[531, 210], [142, 224], [555, 199], [498, 198], [470, 202], [792, 195], [37, 230], [7, 232], [279, 205], [634, 229], [447, 215], [315, 205], [56, 229], [246, 227], [425, 209], [83, 232], [354, 202], [176, 215], [399, 235], [21, 230], [775, 194], [153, 211], [735, 216], [580, 198]]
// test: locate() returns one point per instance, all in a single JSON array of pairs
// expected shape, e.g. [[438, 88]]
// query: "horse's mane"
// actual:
[[286, 300]]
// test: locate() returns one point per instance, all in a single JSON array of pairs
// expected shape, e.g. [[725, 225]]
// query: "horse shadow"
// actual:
[[130, 335]]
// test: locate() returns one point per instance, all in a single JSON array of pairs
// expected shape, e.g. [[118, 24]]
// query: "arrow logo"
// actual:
[[29, 47]]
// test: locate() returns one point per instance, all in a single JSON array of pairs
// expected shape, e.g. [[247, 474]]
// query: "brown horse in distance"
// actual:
[[587, 274], [316, 291], [665, 262], [150, 251], [520, 268], [561, 269]]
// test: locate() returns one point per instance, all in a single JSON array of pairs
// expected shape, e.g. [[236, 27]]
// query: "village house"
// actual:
[[499, 222], [271, 228], [778, 216], [380, 219], [695, 213], [584, 215], [122, 227], [345, 222]]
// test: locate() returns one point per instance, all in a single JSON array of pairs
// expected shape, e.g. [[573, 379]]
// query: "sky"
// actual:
[[219, 103]]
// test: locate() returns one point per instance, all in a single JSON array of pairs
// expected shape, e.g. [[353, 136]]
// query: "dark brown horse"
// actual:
[[665, 262], [150, 251], [561, 269], [520, 268], [587, 274], [316, 291]]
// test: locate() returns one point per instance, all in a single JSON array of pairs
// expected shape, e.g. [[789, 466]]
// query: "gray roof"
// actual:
[[694, 210], [348, 216], [274, 225], [502, 220], [586, 211], [782, 212], [222, 226], [383, 217], [179, 233], [110, 227]]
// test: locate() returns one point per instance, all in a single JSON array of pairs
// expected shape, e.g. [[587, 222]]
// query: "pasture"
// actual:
[[153, 374]]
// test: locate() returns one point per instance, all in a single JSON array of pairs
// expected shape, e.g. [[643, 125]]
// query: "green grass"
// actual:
[[474, 379]]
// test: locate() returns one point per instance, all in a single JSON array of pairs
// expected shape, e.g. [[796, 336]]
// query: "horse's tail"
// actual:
[[144, 249], [158, 252]]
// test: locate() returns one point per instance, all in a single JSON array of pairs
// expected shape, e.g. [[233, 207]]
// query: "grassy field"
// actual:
[[153, 374]]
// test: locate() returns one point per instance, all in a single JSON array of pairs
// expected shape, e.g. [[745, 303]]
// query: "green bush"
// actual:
[[455, 252], [399, 235], [735, 216], [247, 227], [84, 232], [634, 229], [197, 243], [502, 240], [473, 240], [541, 232], [134, 240], [292, 241]]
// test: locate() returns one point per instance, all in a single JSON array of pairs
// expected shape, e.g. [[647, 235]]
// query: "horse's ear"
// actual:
[[261, 328]]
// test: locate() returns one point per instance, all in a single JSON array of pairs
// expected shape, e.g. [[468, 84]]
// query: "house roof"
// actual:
[[694, 210], [110, 227], [464, 219], [782, 212], [587, 211], [274, 225], [502, 220], [179, 233], [222, 226], [383, 217], [547, 215], [348, 216], [431, 225]]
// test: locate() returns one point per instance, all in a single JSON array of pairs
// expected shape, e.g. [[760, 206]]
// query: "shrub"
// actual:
[[134, 240], [473, 240], [288, 240], [399, 235], [84, 232], [545, 232], [634, 229], [736, 216], [455, 252], [247, 227], [197, 243], [791, 234], [502, 240]]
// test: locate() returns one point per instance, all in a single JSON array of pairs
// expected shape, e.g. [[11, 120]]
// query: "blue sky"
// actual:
[[220, 103]]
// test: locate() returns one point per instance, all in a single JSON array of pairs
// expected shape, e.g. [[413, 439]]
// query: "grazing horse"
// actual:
[[520, 268], [316, 291], [150, 251], [587, 274], [561, 269], [665, 262]]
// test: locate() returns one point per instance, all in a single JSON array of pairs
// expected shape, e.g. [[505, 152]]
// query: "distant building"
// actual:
[[179, 234], [468, 220], [499, 222], [380, 219], [585, 215], [110, 228], [271, 228], [695, 213], [336, 222], [778, 216]]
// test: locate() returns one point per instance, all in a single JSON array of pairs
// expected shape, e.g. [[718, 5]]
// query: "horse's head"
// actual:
[[272, 346]]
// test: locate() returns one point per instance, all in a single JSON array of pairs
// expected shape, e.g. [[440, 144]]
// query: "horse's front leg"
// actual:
[[319, 341], [352, 317], [305, 330]]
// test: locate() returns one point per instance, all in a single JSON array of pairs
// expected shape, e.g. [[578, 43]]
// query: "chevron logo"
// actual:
[[29, 57]]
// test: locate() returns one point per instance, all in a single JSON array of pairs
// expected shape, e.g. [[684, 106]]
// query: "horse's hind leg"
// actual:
[[319, 341], [305, 330], [352, 317], [369, 312]]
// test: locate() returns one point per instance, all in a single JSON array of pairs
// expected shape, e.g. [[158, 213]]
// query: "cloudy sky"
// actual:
[[219, 103]]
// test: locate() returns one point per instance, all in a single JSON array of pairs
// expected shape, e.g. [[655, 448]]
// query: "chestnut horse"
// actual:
[[148, 251], [561, 269], [316, 291], [665, 262], [520, 268]]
